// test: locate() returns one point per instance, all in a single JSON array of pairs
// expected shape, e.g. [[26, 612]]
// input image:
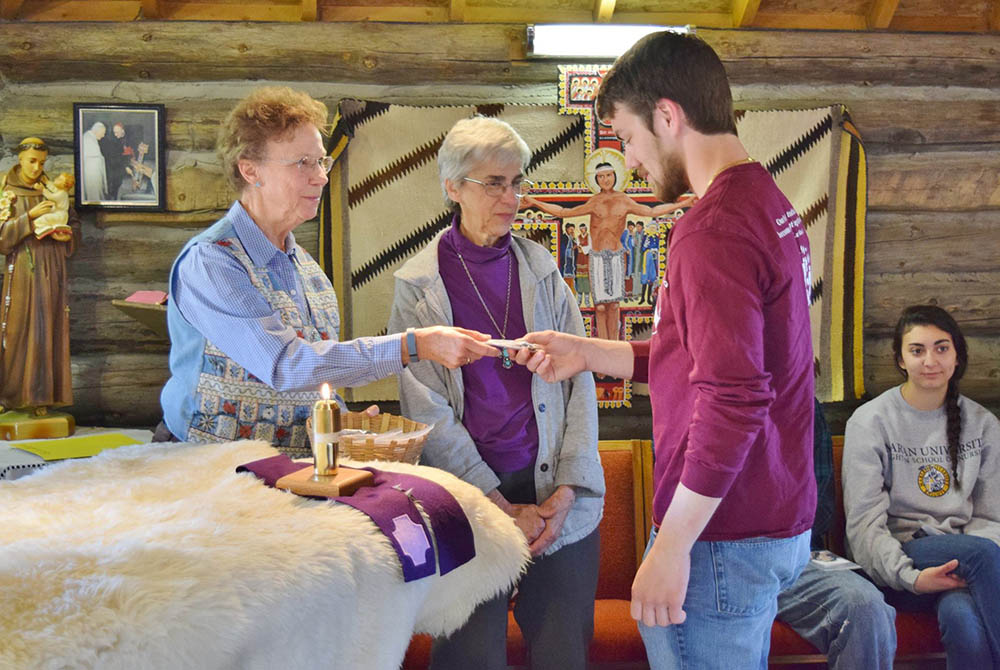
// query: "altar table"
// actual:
[[161, 556]]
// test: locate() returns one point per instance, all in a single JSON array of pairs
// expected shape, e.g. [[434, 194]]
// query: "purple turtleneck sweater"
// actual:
[[498, 413]]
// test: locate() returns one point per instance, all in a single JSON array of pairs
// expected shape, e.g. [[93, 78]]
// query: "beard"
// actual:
[[675, 182]]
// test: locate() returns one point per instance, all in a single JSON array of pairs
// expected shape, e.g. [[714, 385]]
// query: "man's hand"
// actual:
[[44, 207], [553, 511], [939, 578], [560, 357], [660, 585], [62, 236]]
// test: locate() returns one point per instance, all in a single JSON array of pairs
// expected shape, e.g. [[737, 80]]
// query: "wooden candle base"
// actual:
[[344, 483]]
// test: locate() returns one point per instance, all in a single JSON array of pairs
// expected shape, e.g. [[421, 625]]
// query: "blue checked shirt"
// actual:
[[213, 293]]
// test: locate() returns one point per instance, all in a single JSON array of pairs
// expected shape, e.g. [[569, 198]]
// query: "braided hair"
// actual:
[[931, 315]]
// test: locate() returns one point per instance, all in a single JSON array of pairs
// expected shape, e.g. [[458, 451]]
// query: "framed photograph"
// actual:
[[120, 159]]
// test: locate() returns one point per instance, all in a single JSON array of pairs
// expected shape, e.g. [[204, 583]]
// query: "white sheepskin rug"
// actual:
[[161, 556]]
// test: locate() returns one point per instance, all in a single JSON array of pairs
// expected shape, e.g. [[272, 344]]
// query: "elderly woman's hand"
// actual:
[[554, 512], [526, 517], [452, 347]]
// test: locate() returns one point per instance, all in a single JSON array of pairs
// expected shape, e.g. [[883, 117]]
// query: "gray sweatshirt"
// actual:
[[897, 477]]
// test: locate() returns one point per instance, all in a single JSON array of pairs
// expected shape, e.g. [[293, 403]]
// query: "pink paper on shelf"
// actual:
[[148, 297]]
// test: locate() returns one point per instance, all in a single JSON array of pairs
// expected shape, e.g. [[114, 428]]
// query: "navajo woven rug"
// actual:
[[385, 203]]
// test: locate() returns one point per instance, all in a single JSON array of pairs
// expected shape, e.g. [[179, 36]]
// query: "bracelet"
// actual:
[[411, 345]]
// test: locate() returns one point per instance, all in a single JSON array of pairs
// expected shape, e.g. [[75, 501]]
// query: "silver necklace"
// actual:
[[506, 310]]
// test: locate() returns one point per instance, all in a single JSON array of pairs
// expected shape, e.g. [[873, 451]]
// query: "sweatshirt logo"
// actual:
[[933, 480]]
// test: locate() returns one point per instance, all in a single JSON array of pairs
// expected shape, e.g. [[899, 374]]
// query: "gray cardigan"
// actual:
[[566, 412]]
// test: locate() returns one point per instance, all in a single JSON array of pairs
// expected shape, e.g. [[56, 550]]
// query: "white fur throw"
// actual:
[[161, 556]]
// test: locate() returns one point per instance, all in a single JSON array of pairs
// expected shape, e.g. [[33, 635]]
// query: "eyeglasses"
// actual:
[[304, 164], [495, 189]]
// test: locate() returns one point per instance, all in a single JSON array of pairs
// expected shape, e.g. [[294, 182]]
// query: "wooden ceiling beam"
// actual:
[[699, 19], [10, 8], [603, 9], [308, 10], [797, 21], [79, 10], [372, 13], [456, 11], [252, 10], [744, 12], [486, 14], [880, 14], [151, 9], [995, 16], [940, 24]]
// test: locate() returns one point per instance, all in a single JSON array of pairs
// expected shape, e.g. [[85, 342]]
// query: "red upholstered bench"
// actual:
[[628, 469], [917, 636], [624, 528]]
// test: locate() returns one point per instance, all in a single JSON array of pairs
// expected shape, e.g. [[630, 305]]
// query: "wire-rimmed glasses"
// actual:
[[495, 189], [305, 164]]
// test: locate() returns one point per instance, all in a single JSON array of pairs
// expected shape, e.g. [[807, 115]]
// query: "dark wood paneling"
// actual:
[[908, 241], [952, 181], [391, 53], [973, 298], [926, 105]]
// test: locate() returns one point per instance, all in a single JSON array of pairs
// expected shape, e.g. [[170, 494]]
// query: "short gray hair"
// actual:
[[474, 141]]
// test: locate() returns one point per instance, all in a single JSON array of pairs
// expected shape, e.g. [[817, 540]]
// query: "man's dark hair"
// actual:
[[682, 68]]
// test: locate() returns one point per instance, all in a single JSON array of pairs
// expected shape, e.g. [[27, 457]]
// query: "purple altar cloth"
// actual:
[[390, 504]]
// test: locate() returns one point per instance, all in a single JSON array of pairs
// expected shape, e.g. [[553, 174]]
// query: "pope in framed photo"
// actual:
[[120, 160]]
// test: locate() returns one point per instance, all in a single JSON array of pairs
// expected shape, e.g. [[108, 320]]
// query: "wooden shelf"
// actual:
[[153, 317]]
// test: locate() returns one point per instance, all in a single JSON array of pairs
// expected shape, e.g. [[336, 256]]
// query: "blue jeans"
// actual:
[[969, 618], [843, 615], [730, 604]]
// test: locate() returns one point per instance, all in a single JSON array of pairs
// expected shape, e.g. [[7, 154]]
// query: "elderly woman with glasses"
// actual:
[[253, 320], [529, 445]]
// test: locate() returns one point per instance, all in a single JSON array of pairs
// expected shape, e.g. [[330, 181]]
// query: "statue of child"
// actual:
[[55, 222]]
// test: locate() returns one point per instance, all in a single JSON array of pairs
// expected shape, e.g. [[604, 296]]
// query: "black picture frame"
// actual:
[[112, 170]]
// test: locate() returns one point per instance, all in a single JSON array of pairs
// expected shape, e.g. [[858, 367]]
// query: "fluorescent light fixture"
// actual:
[[588, 40]]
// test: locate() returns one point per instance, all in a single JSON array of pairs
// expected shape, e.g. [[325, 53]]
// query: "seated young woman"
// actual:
[[922, 490]]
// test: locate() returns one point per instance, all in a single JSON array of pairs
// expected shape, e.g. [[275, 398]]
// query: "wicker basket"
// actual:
[[363, 448]]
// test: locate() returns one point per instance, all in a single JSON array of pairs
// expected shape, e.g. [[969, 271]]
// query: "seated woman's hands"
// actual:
[[939, 578], [452, 347]]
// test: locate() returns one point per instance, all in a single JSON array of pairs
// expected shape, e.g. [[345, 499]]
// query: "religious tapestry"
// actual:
[[606, 231]]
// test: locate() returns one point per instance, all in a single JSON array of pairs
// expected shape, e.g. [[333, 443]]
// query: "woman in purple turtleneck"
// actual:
[[529, 445]]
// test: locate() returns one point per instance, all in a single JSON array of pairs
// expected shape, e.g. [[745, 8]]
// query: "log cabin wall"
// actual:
[[927, 105]]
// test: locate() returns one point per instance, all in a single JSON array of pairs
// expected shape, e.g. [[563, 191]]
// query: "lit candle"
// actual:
[[326, 430]]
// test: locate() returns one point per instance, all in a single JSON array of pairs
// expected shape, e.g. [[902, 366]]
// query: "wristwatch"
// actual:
[[411, 345]]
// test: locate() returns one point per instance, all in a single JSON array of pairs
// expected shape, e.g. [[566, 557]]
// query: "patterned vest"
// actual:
[[231, 403]]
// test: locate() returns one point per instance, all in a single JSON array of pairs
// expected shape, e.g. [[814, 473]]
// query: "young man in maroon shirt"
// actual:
[[729, 366]]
